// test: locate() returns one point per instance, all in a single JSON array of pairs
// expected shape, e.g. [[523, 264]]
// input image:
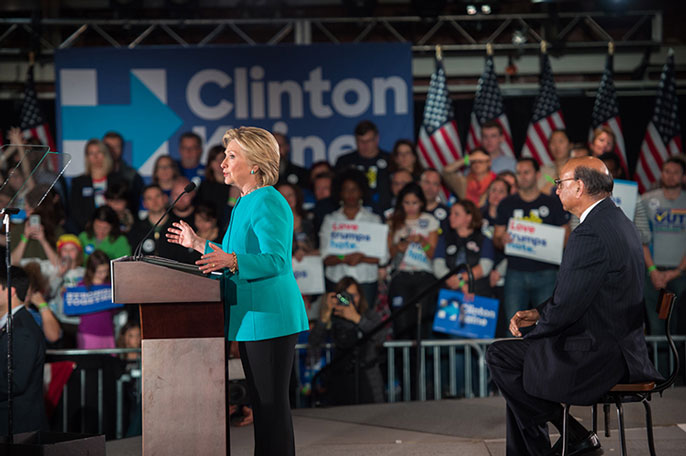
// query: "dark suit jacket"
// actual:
[[82, 199], [590, 333], [29, 358]]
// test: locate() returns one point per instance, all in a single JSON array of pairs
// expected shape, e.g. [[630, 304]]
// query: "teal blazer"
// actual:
[[262, 300]]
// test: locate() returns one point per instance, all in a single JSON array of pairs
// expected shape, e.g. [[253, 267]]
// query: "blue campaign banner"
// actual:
[[84, 300], [475, 319], [315, 94]]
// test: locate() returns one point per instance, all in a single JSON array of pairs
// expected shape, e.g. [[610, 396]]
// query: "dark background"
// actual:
[[635, 112]]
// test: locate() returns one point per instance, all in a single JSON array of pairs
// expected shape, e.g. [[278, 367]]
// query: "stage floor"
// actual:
[[448, 427]]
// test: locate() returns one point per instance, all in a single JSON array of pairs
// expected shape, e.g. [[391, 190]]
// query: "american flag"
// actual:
[[606, 112], [33, 124], [439, 143], [663, 135], [546, 118], [488, 105]]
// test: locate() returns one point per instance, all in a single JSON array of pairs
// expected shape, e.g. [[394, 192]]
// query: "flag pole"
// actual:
[[544, 47], [489, 49], [611, 48], [439, 52]]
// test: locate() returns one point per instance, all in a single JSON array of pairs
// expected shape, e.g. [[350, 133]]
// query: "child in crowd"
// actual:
[[130, 337], [96, 329]]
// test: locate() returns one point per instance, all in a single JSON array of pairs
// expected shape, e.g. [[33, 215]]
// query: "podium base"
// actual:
[[53, 444]]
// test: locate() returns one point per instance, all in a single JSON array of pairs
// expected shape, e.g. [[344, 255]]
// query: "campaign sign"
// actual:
[[537, 241], [415, 257], [342, 238], [84, 300], [625, 195], [475, 318], [309, 273], [315, 94]]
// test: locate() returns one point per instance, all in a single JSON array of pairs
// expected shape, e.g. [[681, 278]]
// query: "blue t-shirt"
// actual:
[[193, 173], [544, 209]]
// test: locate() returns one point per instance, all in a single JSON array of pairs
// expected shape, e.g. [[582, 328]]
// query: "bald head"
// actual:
[[583, 181], [587, 162]]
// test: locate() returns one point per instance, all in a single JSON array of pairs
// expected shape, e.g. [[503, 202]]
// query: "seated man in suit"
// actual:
[[589, 335], [29, 357]]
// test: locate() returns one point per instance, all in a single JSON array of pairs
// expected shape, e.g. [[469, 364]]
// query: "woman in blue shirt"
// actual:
[[263, 305]]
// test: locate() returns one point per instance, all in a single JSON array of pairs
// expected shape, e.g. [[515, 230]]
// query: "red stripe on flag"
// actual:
[[544, 140], [532, 149], [643, 165], [426, 155], [506, 134], [439, 152], [448, 140], [654, 149], [473, 138]]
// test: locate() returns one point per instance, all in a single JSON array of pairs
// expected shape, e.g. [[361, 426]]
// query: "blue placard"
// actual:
[[315, 94], [475, 319], [84, 300]]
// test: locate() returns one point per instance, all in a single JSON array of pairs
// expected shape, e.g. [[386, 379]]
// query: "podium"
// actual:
[[184, 351]]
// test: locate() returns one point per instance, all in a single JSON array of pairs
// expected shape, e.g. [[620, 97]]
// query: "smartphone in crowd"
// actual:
[[34, 220]]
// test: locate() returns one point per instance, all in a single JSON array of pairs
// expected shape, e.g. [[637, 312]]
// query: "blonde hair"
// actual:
[[104, 150], [261, 149]]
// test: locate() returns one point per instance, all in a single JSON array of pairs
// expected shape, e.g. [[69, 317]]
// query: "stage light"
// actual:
[[486, 8], [471, 10]]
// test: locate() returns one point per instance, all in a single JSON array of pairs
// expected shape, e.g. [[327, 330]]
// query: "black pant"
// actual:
[[267, 364], [403, 287], [527, 433]]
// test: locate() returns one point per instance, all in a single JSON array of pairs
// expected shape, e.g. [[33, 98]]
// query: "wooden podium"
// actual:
[[184, 354]]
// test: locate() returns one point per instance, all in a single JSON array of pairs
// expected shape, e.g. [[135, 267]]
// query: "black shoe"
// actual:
[[588, 444]]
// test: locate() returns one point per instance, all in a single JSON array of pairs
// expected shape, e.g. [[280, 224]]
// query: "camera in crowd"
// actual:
[[344, 298]]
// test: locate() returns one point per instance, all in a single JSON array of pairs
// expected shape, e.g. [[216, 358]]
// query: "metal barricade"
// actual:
[[434, 352], [474, 356], [435, 348], [133, 374]]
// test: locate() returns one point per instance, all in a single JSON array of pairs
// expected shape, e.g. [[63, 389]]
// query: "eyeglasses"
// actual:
[[559, 181]]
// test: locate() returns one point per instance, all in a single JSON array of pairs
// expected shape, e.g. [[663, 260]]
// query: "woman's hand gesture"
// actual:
[[181, 233]]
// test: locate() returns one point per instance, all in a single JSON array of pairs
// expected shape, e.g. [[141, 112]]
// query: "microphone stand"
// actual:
[[419, 372], [10, 321]]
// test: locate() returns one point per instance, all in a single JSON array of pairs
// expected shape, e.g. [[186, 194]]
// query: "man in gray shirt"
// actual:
[[491, 139], [665, 257]]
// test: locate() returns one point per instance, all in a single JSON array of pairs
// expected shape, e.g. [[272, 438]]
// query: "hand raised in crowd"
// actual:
[[34, 231], [215, 260], [181, 233], [331, 306], [15, 136], [65, 265], [523, 319], [328, 302]]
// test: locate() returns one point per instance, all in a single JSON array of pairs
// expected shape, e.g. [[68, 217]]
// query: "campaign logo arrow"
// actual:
[[146, 121]]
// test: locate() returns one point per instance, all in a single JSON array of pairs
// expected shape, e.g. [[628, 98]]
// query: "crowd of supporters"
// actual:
[[455, 215]]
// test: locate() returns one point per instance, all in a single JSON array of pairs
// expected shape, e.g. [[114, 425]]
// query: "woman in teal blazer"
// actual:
[[264, 307]]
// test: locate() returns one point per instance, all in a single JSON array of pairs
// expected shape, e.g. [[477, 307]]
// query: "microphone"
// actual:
[[138, 253]]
